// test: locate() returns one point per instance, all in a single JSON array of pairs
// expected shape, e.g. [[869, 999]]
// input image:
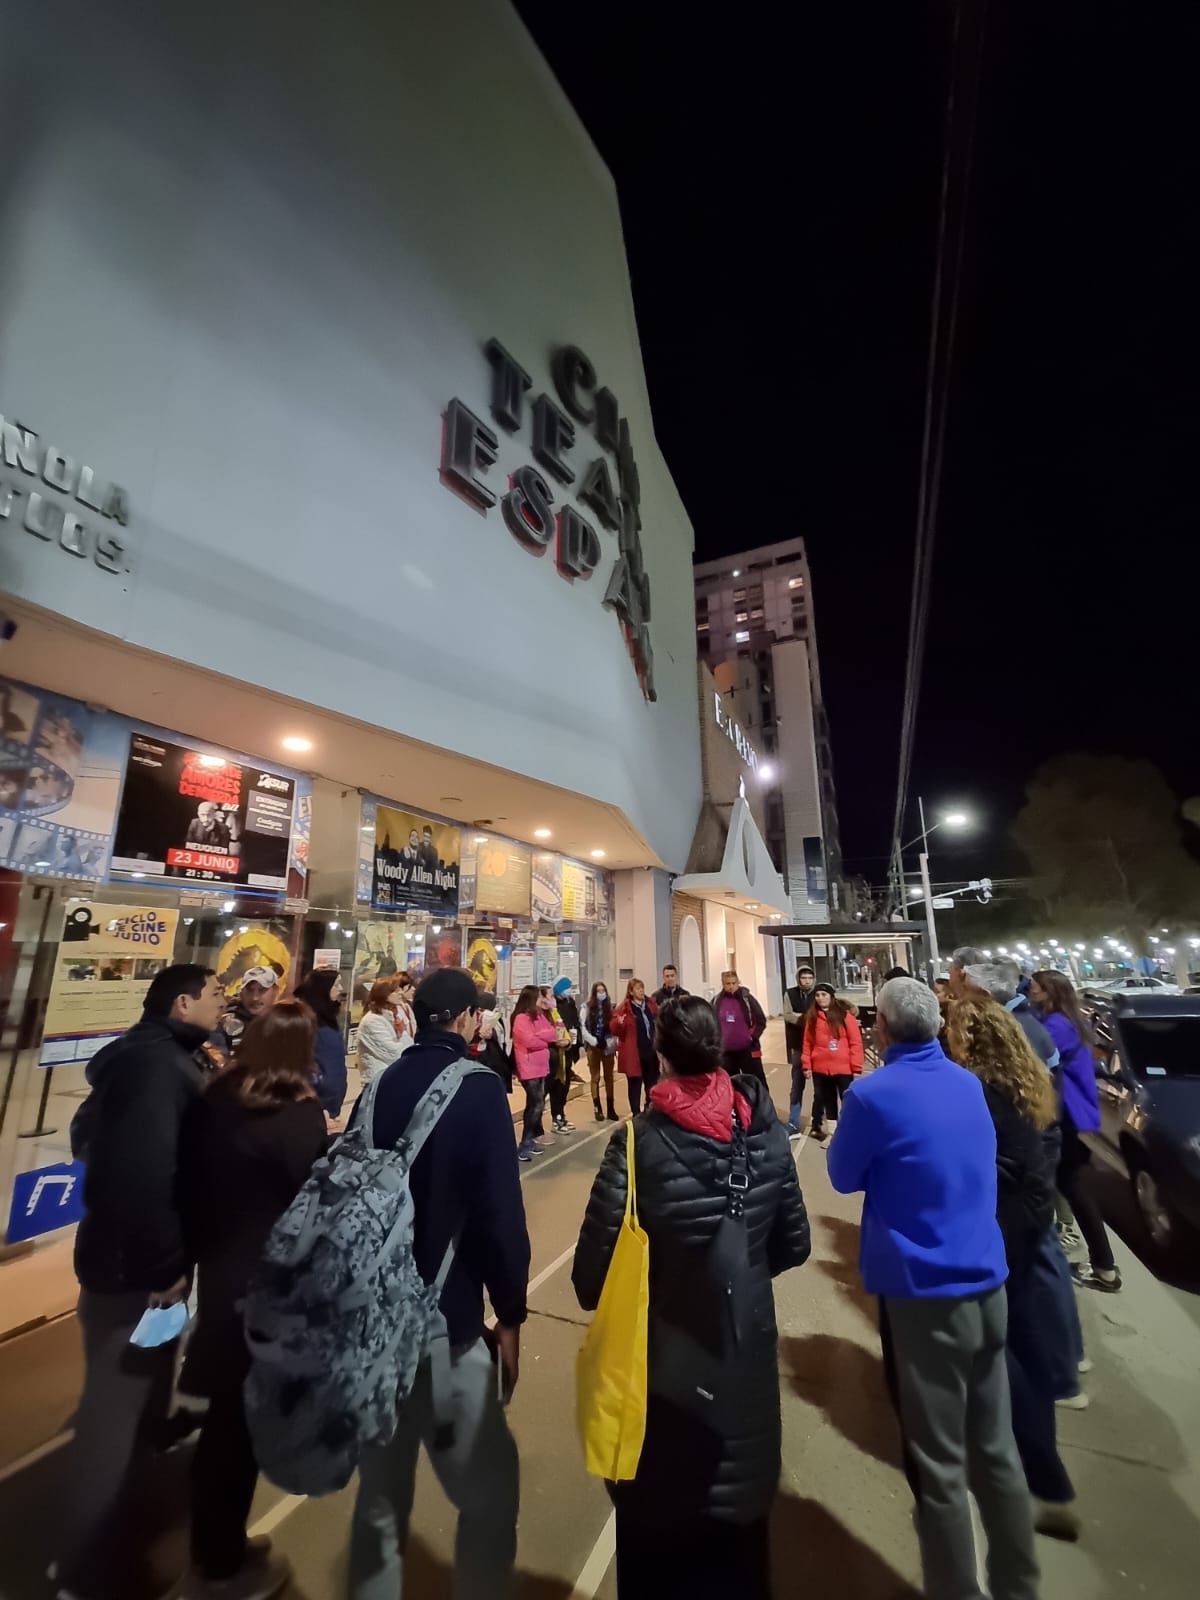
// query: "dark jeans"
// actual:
[[748, 1061], [827, 1095], [1031, 1383], [558, 1096], [125, 1397], [224, 1473], [1075, 1181], [799, 1079], [703, 1558], [634, 1086], [535, 1105]]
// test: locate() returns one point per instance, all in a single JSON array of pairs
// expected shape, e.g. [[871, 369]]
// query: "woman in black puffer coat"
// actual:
[[709, 1467]]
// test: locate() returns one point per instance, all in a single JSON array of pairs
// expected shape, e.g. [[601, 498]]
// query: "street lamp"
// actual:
[[952, 819]]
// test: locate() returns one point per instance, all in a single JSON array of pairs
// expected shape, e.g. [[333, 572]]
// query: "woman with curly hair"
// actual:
[[985, 1039]]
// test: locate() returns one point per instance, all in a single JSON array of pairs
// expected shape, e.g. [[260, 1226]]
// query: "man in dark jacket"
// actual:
[[796, 1002], [129, 1253], [742, 1022], [670, 987], [465, 1186], [693, 1520]]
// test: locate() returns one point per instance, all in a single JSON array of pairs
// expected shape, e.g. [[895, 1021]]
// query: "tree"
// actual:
[[1102, 837]]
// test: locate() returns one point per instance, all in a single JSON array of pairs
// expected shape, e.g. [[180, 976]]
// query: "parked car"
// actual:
[[1148, 1074], [1116, 986]]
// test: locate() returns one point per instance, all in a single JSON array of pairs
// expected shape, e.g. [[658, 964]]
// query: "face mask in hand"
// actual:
[[159, 1325]]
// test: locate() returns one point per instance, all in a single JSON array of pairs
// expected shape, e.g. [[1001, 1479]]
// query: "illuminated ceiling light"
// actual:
[[598, 855], [333, 927], [295, 742], [132, 874], [752, 905], [437, 927], [481, 838], [737, 572], [212, 761], [541, 833], [766, 772]]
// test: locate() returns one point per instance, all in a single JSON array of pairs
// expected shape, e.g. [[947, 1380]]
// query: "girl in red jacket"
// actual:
[[833, 1053]]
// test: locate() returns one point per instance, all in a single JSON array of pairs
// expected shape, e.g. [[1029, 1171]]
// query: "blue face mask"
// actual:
[[601, 994]]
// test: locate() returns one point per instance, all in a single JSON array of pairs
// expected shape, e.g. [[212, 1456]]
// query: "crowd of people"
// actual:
[[962, 1146]]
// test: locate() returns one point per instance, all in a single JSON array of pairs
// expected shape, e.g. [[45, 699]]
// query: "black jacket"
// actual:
[[240, 1170], [465, 1181], [661, 996], [799, 999], [717, 1454], [127, 1133], [1025, 1179]]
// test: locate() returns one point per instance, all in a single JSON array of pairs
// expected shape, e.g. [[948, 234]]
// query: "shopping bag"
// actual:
[[610, 1370]]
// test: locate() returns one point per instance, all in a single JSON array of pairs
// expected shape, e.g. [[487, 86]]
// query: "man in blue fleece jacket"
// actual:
[[918, 1138]]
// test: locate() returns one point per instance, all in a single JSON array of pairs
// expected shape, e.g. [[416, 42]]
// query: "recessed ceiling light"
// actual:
[[597, 855], [295, 742], [481, 838], [752, 905], [451, 800], [541, 833]]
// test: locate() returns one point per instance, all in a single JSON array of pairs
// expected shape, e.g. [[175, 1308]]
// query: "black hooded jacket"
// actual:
[[127, 1133], [712, 1443]]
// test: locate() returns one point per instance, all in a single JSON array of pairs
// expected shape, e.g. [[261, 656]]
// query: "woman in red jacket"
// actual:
[[833, 1053], [637, 1056]]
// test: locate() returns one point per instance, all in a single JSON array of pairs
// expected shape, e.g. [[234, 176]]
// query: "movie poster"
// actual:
[[107, 957], [547, 959], [483, 959], [522, 965], [189, 814], [580, 899], [255, 944], [415, 863], [547, 886], [60, 775], [443, 946], [503, 878]]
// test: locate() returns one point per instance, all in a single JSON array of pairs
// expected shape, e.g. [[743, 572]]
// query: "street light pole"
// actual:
[[934, 958]]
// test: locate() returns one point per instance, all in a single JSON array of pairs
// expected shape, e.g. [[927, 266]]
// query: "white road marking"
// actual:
[[34, 1456], [548, 1272], [598, 1563], [279, 1512]]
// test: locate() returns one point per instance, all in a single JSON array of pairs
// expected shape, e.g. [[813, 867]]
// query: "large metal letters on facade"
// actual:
[[470, 447], [45, 516]]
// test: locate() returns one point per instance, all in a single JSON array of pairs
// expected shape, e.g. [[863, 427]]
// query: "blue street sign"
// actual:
[[48, 1198]]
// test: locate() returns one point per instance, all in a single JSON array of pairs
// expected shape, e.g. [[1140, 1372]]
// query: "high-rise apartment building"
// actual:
[[754, 628]]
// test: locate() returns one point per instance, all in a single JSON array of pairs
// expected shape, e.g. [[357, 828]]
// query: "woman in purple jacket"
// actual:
[[1054, 997]]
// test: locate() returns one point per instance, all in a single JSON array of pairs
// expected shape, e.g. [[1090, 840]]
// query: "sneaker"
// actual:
[[1089, 1278], [1086, 1365], [1074, 1402], [1069, 1237], [258, 1580], [794, 1133], [561, 1125], [1057, 1520]]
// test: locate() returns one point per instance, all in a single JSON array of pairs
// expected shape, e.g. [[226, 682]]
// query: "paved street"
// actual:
[[842, 1523]]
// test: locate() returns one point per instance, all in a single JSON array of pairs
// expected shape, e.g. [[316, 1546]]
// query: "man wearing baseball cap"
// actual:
[[258, 993], [466, 1187]]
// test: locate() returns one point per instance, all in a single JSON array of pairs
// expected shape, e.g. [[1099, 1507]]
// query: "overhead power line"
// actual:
[[962, 107]]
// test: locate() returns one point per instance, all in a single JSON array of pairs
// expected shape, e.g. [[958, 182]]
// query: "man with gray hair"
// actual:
[[967, 955], [918, 1138], [1000, 979]]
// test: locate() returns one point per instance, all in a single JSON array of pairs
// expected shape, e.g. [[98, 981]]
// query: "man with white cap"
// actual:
[[258, 993]]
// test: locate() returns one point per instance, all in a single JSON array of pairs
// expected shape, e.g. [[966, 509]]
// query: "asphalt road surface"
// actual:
[[842, 1524]]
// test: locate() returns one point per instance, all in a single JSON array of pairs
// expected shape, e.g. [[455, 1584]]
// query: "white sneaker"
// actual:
[[1086, 1365], [1074, 1402]]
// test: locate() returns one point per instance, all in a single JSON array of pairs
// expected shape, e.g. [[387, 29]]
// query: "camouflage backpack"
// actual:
[[337, 1316]]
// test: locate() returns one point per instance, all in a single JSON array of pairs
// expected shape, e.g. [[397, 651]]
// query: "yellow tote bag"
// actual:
[[610, 1370]]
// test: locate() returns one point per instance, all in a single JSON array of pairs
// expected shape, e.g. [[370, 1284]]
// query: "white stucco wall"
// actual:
[[247, 256]]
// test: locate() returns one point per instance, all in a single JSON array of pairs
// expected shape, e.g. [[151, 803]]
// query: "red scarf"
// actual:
[[702, 1104]]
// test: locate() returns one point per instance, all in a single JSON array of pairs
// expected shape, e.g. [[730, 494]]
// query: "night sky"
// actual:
[[779, 190]]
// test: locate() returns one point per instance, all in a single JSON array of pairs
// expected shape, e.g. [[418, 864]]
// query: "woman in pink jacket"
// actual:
[[533, 1033], [833, 1053]]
